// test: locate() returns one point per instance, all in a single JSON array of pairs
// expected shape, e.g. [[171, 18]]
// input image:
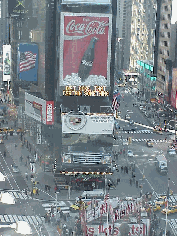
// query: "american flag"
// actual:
[[115, 104], [27, 61]]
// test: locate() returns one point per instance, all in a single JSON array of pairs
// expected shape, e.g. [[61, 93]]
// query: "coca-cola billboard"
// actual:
[[85, 47]]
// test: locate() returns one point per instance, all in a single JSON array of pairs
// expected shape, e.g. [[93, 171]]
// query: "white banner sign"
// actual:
[[39, 134], [87, 124], [6, 62]]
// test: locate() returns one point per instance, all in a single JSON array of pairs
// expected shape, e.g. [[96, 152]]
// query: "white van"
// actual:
[[96, 193], [161, 164]]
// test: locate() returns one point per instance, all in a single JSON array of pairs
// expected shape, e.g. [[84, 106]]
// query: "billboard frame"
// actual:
[[62, 36], [6, 49]]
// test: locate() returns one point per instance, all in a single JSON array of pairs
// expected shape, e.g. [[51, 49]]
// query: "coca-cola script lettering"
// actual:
[[93, 27]]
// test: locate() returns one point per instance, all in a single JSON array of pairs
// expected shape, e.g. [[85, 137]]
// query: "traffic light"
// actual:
[[55, 164]]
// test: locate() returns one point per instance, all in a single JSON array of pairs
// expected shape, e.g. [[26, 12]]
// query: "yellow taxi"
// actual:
[[160, 201], [1, 130], [19, 130], [77, 206], [153, 207], [5, 129], [171, 209]]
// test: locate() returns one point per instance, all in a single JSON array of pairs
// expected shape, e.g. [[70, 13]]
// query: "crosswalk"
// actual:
[[63, 206], [32, 220], [136, 132], [18, 194], [173, 225], [145, 140]]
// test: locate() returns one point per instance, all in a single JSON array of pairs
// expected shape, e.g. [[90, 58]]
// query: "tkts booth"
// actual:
[[114, 212]]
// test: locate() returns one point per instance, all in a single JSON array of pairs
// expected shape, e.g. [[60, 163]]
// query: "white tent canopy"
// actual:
[[22, 227], [7, 198], [2, 177]]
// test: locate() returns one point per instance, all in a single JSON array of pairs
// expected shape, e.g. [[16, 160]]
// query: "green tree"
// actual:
[[124, 229]]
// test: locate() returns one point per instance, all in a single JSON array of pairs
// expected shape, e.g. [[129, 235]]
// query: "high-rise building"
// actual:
[[163, 39], [138, 31]]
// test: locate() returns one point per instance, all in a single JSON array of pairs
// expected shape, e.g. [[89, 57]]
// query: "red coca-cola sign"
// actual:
[[85, 47]]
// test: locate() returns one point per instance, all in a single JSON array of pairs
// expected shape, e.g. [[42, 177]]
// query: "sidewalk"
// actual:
[[44, 178], [40, 176]]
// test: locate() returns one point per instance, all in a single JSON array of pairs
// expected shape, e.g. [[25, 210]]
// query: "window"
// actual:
[[165, 44], [166, 8], [168, 53], [165, 26], [169, 17], [168, 34]]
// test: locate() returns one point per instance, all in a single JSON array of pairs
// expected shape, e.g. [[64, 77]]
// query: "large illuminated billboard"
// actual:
[[85, 49], [6, 62], [27, 62]]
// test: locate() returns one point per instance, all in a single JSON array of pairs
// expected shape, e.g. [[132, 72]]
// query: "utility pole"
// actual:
[[168, 191]]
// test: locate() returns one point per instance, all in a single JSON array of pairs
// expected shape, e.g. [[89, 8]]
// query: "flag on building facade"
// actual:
[[115, 104], [27, 61]]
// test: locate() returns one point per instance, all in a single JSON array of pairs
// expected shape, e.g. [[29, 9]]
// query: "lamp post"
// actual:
[[168, 190]]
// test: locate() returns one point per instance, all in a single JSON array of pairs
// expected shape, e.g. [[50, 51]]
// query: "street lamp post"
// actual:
[[168, 190]]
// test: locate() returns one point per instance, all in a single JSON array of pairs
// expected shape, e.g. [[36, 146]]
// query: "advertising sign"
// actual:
[[135, 229], [35, 107], [85, 47], [39, 134], [49, 112], [87, 124], [39, 109], [6, 62], [86, 1], [27, 61]]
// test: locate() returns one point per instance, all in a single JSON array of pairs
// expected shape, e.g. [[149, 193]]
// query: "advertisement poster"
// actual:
[[27, 62], [87, 124], [49, 112], [135, 229], [85, 49], [86, 1], [6, 62]]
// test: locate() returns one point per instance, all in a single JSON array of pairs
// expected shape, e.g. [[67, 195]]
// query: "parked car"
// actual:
[[130, 153], [1, 141], [15, 169]]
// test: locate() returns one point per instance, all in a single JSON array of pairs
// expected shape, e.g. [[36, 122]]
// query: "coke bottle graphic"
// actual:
[[87, 60]]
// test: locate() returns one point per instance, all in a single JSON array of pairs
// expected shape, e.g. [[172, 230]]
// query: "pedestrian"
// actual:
[[5, 153], [15, 146], [21, 158], [126, 169], [26, 174], [26, 163], [136, 183], [32, 168], [26, 192], [37, 191], [46, 187], [49, 188], [130, 181], [28, 158], [118, 180], [32, 193], [55, 188], [122, 169], [124, 151], [132, 174]]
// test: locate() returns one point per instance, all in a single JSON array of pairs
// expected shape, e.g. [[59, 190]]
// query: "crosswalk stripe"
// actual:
[[2, 218], [11, 218], [20, 218], [6, 218], [29, 219], [15, 217], [15, 194], [39, 219], [34, 220], [25, 219]]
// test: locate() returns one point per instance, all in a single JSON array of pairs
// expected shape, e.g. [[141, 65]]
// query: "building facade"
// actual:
[[138, 32], [163, 44]]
